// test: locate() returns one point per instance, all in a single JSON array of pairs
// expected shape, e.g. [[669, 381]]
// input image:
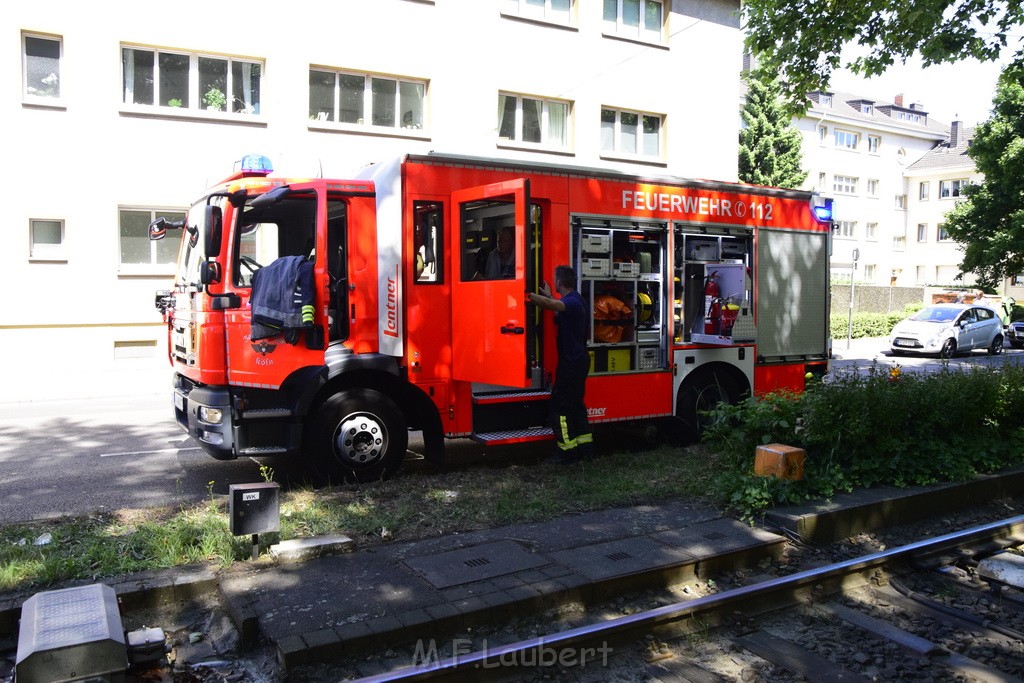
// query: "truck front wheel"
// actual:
[[357, 435]]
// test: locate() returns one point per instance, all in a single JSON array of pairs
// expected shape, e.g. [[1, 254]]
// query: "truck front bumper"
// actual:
[[205, 413]]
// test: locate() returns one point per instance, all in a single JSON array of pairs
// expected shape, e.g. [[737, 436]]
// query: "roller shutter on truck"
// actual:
[[793, 290]]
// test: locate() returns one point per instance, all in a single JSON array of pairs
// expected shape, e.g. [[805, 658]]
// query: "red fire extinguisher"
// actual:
[[712, 304]]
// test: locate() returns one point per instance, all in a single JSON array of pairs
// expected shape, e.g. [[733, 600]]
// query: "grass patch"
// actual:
[[406, 508]]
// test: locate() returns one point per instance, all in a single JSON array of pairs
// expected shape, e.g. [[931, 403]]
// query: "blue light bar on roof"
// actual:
[[254, 164], [823, 212]]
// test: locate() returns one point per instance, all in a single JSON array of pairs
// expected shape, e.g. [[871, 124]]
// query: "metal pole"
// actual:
[[255, 546], [853, 275]]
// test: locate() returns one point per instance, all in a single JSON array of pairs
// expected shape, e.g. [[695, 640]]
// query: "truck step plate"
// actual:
[[514, 436], [511, 397]]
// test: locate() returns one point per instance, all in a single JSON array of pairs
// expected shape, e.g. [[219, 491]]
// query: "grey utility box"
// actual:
[[254, 508], [72, 634]]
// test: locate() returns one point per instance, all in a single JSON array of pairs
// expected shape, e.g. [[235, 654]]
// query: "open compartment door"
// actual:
[[489, 317]]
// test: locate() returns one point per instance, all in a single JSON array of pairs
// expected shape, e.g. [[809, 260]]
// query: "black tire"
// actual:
[[701, 392], [996, 347], [948, 349], [357, 435]]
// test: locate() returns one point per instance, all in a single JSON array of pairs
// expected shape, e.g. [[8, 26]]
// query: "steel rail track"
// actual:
[[514, 652]]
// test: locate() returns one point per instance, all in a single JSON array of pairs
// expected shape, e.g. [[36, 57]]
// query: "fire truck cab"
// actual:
[[321, 320]]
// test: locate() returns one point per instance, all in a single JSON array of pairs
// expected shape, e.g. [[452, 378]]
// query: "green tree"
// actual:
[[990, 221], [801, 40], [770, 147]]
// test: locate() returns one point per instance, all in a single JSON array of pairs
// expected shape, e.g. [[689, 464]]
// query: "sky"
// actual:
[[948, 92]]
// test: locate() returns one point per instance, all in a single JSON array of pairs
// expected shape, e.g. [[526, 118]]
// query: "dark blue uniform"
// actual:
[[568, 413]]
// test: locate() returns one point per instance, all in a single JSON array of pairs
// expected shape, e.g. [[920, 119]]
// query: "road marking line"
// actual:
[[165, 450]]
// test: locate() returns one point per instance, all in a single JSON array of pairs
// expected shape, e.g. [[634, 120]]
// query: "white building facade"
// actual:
[[122, 113], [857, 150]]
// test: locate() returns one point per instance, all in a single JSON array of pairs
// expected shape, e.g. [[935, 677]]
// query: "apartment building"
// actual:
[[122, 113], [934, 184], [857, 150]]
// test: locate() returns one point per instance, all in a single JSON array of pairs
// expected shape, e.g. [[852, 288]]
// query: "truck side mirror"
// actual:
[[213, 221], [210, 273], [158, 229]]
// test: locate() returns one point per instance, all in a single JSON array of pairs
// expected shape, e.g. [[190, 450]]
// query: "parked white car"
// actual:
[[948, 329]]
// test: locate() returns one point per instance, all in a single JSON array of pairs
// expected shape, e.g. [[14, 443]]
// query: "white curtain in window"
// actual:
[[558, 115]]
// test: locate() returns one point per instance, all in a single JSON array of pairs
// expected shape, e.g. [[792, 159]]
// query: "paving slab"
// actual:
[[476, 563]]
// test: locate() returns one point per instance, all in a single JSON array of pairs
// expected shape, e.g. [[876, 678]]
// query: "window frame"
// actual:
[[56, 99], [845, 139], [922, 232], [618, 29], [617, 152], [154, 266], [941, 234], [52, 252], [367, 103], [845, 184], [901, 202], [199, 103], [899, 242], [871, 231], [874, 143], [846, 229], [545, 123], [924, 188], [871, 187], [953, 188], [524, 9]]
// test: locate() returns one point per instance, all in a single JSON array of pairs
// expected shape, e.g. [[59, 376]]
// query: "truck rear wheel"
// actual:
[[699, 393], [357, 435]]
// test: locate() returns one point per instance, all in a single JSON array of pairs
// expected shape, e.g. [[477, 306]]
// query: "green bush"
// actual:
[[868, 324], [885, 428]]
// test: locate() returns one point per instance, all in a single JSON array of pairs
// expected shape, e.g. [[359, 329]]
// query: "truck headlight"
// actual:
[[211, 415]]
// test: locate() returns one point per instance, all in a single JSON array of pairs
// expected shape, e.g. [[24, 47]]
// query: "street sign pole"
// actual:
[[853, 274]]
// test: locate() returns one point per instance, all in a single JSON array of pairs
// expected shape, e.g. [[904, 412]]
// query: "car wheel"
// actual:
[[948, 349], [996, 347], [357, 435], [701, 392]]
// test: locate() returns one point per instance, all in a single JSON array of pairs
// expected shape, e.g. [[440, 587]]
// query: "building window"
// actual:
[[532, 121], [642, 19], [874, 142], [899, 243], [866, 108], [822, 134], [922, 232], [922, 190], [364, 100], [189, 81], [825, 100], [822, 179], [922, 276], [555, 11], [136, 247], [869, 272], [872, 187], [631, 133], [46, 240], [901, 202], [951, 188], [871, 232], [846, 139], [911, 117], [845, 228], [1017, 280], [41, 64], [942, 234], [843, 184]]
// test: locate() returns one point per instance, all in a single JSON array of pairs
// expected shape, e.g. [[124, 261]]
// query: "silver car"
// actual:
[[948, 329]]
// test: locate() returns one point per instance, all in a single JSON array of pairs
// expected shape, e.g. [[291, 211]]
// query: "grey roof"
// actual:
[[884, 113], [946, 156]]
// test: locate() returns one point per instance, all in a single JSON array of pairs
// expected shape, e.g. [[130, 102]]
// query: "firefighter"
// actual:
[[568, 413]]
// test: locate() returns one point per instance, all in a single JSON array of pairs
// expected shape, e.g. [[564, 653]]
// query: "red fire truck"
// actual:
[[384, 318]]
